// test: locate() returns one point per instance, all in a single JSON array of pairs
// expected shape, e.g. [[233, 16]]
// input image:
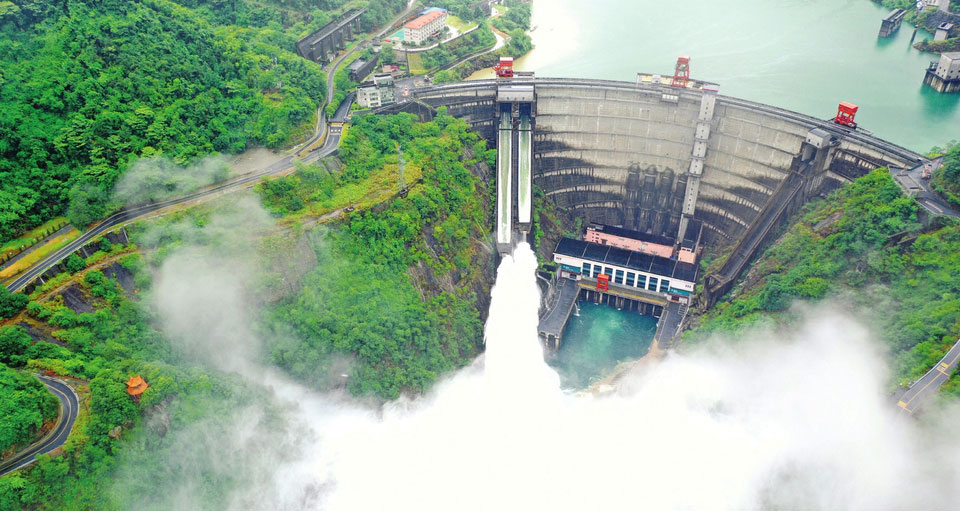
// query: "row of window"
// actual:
[[630, 279]]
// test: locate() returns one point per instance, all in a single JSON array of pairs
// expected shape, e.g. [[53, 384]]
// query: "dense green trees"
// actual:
[[93, 85], [24, 405], [463, 9], [11, 303], [849, 246], [14, 342], [444, 55], [946, 181], [368, 305]]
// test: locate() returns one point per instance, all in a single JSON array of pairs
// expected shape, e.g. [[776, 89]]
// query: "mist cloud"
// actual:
[[795, 421], [160, 178]]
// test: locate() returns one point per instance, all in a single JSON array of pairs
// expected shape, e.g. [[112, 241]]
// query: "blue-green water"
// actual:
[[804, 55], [598, 339]]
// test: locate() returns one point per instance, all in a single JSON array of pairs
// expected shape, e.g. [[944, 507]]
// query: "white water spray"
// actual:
[[800, 422]]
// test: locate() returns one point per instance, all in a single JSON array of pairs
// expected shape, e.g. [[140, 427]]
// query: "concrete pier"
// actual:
[[323, 44], [891, 23]]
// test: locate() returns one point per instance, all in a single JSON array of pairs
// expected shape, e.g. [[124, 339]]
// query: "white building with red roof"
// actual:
[[430, 23]]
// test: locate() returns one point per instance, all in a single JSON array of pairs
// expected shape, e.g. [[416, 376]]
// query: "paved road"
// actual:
[[132, 213], [61, 231], [69, 406], [912, 179], [930, 384]]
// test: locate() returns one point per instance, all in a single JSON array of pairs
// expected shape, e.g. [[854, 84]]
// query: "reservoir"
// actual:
[[806, 56]]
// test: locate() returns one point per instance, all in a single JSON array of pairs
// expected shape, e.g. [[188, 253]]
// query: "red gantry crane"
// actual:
[[846, 113], [505, 68], [681, 74]]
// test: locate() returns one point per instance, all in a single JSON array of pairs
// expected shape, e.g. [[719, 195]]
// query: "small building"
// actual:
[[943, 31], [428, 24], [891, 23], [360, 69], [368, 96], [136, 386], [944, 75], [688, 250], [651, 244], [627, 270], [691, 246], [377, 92]]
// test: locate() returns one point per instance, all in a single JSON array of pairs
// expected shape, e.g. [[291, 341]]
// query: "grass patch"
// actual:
[[30, 259], [10, 248], [379, 186], [459, 24], [415, 61]]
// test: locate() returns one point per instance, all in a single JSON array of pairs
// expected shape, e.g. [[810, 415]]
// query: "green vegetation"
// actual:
[[464, 9], [105, 347], [13, 247], [947, 45], [24, 401], [38, 253], [342, 85], [372, 300], [446, 54], [862, 244], [10, 303], [515, 23], [89, 87], [946, 181]]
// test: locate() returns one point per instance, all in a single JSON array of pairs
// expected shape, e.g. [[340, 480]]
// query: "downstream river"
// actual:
[[599, 338], [803, 55]]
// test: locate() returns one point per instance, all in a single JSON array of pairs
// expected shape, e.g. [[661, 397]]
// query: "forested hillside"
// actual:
[[400, 288], [88, 86], [946, 181], [862, 246]]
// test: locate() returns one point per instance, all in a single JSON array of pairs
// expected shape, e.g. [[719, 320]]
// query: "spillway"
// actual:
[[524, 173], [504, 183]]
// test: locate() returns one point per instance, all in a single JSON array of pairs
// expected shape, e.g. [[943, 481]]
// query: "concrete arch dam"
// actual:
[[650, 157], [621, 153]]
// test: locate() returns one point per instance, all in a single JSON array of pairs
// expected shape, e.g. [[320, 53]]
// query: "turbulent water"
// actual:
[[802, 55], [798, 421], [598, 339]]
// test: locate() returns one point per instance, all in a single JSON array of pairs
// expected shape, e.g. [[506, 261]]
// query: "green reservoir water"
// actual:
[[597, 340], [803, 55]]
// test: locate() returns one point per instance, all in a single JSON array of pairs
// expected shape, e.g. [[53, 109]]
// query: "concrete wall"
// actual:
[[618, 153]]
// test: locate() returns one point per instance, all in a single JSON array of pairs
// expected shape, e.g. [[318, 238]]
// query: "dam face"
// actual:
[[621, 153]]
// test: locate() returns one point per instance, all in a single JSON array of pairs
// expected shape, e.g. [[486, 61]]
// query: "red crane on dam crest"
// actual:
[[681, 75]]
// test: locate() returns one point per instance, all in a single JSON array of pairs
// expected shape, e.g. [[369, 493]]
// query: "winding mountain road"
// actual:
[[930, 383], [132, 213], [69, 407]]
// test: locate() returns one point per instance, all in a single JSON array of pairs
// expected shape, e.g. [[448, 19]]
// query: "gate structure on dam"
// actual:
[[652, 158], [516, 106]]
